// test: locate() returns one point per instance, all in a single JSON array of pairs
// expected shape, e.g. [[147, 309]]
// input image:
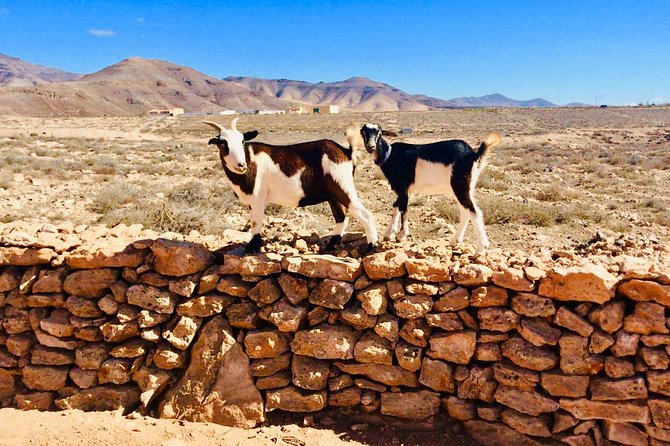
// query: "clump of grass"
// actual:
[[553, 193], [115, 195]]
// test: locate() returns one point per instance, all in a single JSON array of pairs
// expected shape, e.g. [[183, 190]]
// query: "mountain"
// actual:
[[578, 104], [357, 93], [15, 72], [496, 100]]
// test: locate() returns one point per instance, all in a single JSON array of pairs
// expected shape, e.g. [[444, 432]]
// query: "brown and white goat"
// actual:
[[293, 175], [444, 167]]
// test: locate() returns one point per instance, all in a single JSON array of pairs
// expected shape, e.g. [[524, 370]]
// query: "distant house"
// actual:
[[166, 112], [301, 110], [227, 112], [271, 112], [325, 109]]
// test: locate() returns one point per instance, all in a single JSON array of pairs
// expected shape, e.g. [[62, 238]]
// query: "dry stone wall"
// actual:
[[578, 354]]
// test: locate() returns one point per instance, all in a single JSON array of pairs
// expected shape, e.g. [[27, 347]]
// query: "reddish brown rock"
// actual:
[[511, 375], [16, 320], [525, 401], [270, 366], [41, 401], [660, 412], [183, 332], [373, 348], [102, 398], [444, 321], [15, 256], [276, 381], [44, 378], [265, 292], [333, 294], [325, 342], [291, 399], [412, 307], [234, 286], [115, 371], [266, 343], [532, 305], [609, 316], [91, 356], [457, 347], [646, 290], [410, 405], [251, 265], [350, 396], [83, 307], [115, 331], [175, 258], [353, 315], [454, 300], [567, 319], [620, 411], [538, 332], [50, 281], [606, 389], [625, 344], [458, 408], [558, 384], [151, 298], [408, 356], [473, 275], [512, 279], [600, 341], [42, 355], [416, 332], [488, 353], [590, 283], [9, 279], [529, 425], [646, 319], [90, 283], [374, 299], [20, 344], [287, 317], [390, 375], [385, 265], [437, 375], [109, 255], [479, 384], [488, 296], [618, 368], [528, 356], [205, 305], [575, 356], [494, 433], [489, 413], [655, 359], [294, 288], [168, 358], [185, 286], [386, 326], [624, 433], [243, 315], [323, 266], [659, 382], [427, 270], [58, 324], [497, 319], [309, 373]]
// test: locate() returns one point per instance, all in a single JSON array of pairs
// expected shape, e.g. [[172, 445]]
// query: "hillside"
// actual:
[[496, 100], [15, 72]]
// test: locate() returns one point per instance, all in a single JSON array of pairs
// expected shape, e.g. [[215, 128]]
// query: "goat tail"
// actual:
[[491, 141]]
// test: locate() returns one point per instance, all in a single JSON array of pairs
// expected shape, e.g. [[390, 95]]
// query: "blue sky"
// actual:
[[562, 51]]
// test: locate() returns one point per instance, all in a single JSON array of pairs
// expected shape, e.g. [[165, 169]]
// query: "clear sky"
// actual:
[[561, 50]]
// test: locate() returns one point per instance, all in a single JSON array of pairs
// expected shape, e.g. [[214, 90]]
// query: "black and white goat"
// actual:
[[294, 175], [445, 167]]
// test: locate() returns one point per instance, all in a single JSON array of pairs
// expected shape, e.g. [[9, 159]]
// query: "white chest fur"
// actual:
[[431, 178], [274, 185]]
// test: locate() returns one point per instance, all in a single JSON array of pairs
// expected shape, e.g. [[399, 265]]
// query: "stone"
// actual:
[[42, 401], [386, 264], [58, 324], [659, 382], [437, 375], [485, 337], [459, 409], [20, 344], [152, 382], [323, 266], [183, 332], [291, 399], [606, 389], [38, 377], [266, 343], [362, 282], [395, 288], [276, 381], [512, 279], [90, 283], [177, 258], [89, 334], [660, 412], [208, 280], [497, 319], [532, 305], [265, 292], [10, 255], [16, 320], [42, 355], [658, 433], [525, 424], [655, 340], [525, 401], [185, 286], [353, 315], [646, 290], [91, 356], [567, 319], [151, 298], [600, 341], [389, 375], [102, 398], [83, 307], [454, 300], [619, 411], [408, 356], [575, 356], [131, 348], [119, 290], [204, 306], [373, 348], [647, 318], [488, 353], [151, 334], [625, 344], [413, 307], [624, 433], [654, 358], [511, 375], [488, 296], [526, 355], [416, 405], [50, 281], [538, 332], [350, 396], [234, 286], [457, 347], [386, 326], [115, 331], [479, 384], [9, 279], [609, 316], [168, 358], [217, 385], [45, 300], [416, 287], [496, 434], [341, 382], [563, 421], [286, 316], [373, 299], [270, 366], [416, 332], [618, 368], [558, 384], [48, 340], [294, 288], [309, 373], [427, 270], [108, 305], [589, 283], [325, 342], [251, 265], [116, 371], [489, 413], [333, 294], [243, 315], [107, 255], [145, 318], [473, 275], [7, 360], [444, 321]]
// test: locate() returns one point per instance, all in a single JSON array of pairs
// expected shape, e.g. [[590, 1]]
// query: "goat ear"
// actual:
[[389, 133], [214, 140], [248, 136]]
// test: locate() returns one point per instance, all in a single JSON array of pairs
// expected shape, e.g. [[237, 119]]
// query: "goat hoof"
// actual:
[[254, 246], [333, 243], [372, 247]]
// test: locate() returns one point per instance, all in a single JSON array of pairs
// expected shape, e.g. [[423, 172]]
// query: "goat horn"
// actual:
[[233, 125], [215, 125]]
